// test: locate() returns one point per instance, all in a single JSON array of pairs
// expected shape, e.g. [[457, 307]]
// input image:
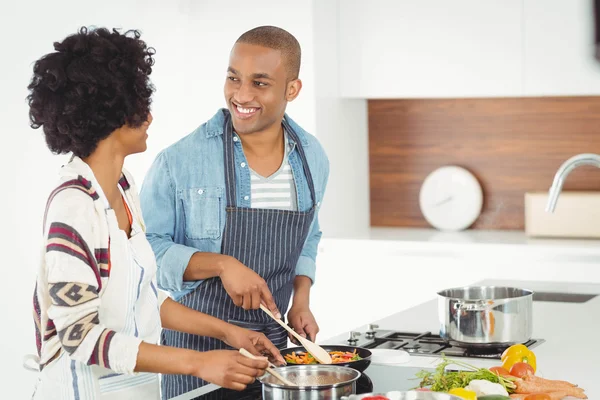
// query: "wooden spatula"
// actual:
[[270, 370], [317, 351]]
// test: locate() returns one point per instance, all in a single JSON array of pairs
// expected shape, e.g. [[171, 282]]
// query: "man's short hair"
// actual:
[[276, 38]]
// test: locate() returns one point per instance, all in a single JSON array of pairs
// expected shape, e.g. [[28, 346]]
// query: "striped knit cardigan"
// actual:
[[74, 269]]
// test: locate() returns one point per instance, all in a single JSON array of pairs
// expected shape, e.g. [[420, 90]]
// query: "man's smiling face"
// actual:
[[256, 87]]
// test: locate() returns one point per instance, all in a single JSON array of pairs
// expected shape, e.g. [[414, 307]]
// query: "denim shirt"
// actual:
[[183, 199]]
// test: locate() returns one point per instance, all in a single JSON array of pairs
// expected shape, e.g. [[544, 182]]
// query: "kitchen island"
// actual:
[[570, 331], [569, 350]]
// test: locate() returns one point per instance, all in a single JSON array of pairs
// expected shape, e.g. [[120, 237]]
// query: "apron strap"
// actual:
[[229, 161], [309, 179]]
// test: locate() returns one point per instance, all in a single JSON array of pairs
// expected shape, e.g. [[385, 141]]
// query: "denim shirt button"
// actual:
[[243, 164], [200, 191], [246, 197], [235, 138]]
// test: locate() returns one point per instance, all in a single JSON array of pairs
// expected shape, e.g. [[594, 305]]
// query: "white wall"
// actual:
[[192, 40]]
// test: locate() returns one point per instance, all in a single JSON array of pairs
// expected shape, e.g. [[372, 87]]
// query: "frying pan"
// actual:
[[359, 365]]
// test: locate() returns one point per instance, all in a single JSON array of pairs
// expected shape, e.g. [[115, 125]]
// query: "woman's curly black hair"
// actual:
[[95, 82]]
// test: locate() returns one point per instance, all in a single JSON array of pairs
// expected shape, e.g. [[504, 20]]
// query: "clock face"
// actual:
[[451, 198]]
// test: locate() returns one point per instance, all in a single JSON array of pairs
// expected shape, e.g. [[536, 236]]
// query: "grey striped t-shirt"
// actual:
[[278, 191]]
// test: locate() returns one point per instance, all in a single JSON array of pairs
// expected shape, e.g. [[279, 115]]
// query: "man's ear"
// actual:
[[293, 89]]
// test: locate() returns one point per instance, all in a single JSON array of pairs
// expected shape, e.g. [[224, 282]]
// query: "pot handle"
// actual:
[[479, 306]]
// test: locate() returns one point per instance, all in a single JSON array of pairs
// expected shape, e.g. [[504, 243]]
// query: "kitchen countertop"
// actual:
[[570, 351], [509, 237], [466, 237]]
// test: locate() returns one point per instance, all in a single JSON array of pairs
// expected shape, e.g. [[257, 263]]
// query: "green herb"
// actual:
[[443, 381]]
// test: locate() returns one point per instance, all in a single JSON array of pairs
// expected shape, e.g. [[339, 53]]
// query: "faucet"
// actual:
[[562, 173]]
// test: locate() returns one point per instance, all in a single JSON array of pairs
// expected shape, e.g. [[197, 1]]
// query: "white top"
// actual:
[[277, 191]]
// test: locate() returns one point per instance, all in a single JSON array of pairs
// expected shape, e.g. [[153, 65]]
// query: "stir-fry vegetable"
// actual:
[[337, 357]]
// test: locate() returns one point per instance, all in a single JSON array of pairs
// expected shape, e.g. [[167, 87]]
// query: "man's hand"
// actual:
[[302, 320], [255, 342], [245, 287], [228, 368]]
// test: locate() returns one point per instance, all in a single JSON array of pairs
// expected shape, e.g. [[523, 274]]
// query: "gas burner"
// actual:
[[484, 352], [425, 344]]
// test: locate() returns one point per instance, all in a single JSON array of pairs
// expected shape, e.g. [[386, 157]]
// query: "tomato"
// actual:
[[375, 398], [521, 369], [500, 371], [538, 396]]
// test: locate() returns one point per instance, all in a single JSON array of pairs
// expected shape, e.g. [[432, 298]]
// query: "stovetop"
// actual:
[[424, 344], [385, 377], [254, 391]]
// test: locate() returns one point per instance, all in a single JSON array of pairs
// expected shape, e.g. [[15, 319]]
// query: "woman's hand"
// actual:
[[228, 368], [255, 342]]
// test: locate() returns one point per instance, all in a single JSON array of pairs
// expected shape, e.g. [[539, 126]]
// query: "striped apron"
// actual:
[[265, 240]]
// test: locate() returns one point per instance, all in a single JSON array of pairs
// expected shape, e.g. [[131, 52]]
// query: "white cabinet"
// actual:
[[558, 42], [467, 48], [430, 48]]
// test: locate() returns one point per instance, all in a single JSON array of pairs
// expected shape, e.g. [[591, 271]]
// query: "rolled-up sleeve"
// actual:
[[158, 202], [306, 266]]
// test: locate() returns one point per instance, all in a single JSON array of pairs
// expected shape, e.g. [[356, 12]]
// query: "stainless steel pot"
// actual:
[[314, 382], [485, 316], [413, 395]]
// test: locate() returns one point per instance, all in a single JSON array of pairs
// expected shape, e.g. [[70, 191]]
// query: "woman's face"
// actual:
[[133, 140]]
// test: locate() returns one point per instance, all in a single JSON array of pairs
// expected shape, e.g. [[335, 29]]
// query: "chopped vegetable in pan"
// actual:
[[337, 357]]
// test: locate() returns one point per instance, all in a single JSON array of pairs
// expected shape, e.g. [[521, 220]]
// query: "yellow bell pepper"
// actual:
[[518, 353], [463, 394]]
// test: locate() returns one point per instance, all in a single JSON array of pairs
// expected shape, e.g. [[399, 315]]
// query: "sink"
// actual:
[[563, 297]]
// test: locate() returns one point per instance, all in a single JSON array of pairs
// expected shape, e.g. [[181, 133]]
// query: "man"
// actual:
[[231, 209]]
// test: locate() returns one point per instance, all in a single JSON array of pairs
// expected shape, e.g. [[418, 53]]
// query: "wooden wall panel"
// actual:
[[512, 145]]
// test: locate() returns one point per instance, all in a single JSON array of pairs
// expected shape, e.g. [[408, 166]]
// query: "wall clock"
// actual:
[[451, 198]]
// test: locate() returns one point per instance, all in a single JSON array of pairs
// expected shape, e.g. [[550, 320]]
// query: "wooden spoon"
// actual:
[[317, 351], [270, 370]]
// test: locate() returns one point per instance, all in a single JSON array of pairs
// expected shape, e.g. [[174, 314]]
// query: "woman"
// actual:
[[97, 308]]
